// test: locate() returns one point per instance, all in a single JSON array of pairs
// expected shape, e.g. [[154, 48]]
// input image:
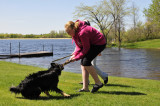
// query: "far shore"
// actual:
[[148, 44]]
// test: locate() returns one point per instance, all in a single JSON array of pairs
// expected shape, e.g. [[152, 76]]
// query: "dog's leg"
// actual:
[[64, 94], [61, 92], [47, 93]]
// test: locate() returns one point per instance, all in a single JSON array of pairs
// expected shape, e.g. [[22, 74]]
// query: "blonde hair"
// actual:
[[72, 25]]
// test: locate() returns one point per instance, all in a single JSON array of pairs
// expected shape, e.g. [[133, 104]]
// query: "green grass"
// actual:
[[120, 91], [155, 44]]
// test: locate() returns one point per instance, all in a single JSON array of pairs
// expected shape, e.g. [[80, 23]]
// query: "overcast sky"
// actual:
[[42, 16]]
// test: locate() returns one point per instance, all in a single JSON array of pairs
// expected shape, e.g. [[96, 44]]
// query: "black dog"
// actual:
[[42, 81]]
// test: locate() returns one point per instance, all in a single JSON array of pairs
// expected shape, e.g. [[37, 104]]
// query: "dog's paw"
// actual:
[[65, 95]]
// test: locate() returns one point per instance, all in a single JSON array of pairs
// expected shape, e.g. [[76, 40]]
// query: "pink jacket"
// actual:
[[84, 37]]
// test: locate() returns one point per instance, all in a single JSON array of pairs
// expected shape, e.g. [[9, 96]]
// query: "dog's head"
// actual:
[[57, 68]]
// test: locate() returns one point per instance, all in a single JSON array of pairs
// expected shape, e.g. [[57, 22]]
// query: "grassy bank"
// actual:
[[155, 44], [119, 91]]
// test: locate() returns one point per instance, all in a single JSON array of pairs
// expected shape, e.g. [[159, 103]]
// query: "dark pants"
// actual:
[[92, 53]]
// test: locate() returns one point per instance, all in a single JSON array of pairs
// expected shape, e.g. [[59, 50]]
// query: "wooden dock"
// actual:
[[32, 54]]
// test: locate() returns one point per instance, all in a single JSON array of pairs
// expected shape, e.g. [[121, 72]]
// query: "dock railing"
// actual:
[[29, 54]]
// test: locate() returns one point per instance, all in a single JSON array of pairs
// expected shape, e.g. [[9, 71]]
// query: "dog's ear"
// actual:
[[53, 64]]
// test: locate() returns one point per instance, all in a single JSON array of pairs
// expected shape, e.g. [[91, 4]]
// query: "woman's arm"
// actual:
[[86, 46]]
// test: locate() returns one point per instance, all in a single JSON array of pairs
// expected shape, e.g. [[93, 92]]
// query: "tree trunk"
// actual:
[[119, 33], [104, 36]]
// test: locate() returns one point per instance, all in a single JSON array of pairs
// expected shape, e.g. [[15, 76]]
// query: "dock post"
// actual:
[[43, 47], [19, 49], [52, 48], [10, 49]]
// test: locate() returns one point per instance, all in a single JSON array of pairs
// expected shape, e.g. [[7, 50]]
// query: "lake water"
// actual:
[[132, 63]]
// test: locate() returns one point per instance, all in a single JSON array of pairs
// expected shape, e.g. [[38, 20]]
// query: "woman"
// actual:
[[89, 43]]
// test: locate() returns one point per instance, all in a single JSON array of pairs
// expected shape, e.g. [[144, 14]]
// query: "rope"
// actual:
[[67, 62], [61, 58]]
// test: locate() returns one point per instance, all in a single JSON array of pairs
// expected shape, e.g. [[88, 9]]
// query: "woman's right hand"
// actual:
[[72, 58]]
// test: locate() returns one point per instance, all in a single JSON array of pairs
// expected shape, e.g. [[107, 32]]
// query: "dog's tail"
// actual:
[[15, 90]]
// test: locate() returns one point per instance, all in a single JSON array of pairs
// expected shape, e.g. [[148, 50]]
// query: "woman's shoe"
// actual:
[[96, 87], [82, 90]]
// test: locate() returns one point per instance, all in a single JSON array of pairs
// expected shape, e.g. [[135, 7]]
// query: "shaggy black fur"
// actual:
[[42, 81]]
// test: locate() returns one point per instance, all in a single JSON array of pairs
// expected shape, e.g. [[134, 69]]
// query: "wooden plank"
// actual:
[[32, 54]]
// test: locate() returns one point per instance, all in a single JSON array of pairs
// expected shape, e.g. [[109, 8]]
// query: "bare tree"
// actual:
[[97, 14], [105, 14], [119, 10], [135, 15]]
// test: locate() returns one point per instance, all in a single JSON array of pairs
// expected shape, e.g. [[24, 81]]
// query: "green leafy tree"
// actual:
[[153, 12]]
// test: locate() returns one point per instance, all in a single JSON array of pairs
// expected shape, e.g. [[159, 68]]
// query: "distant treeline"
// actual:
[[141, 32], [52, 34]]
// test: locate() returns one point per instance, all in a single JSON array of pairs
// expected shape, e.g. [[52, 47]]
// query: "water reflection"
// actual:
[[134, 63]]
